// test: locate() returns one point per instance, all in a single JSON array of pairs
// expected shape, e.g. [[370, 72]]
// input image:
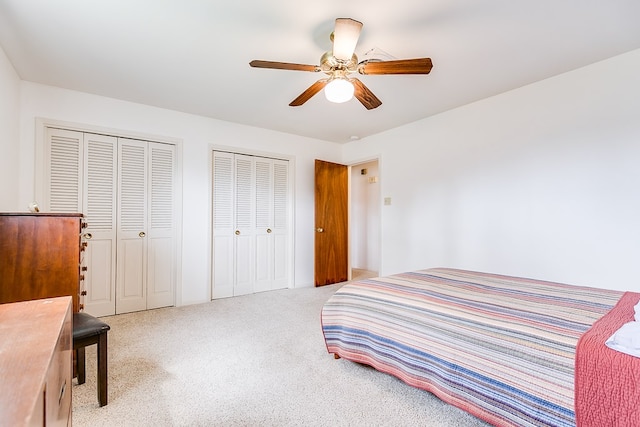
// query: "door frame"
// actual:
[[352, 165], [290, 209], [42, 123]]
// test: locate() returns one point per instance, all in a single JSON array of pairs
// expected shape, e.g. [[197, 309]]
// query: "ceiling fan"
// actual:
[[342, 61]]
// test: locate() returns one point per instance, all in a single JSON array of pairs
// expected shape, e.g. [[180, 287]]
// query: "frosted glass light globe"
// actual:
[[339, 91]]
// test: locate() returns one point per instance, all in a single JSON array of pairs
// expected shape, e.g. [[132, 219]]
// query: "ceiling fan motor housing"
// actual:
[[330, 64]]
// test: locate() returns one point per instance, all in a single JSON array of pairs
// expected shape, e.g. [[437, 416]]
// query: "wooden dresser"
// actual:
[[36, 363], [41, 257]]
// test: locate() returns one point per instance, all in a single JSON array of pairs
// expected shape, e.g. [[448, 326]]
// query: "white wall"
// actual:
[[541, 182], [198, 135], [9, 134]]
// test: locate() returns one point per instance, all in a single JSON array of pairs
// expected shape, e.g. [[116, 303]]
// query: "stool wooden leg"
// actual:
[[102, 369], [80, 365]]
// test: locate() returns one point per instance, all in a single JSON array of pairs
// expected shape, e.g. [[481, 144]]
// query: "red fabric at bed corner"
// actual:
[[607, 382]]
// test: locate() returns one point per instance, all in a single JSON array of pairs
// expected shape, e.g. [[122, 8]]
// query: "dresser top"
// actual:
[[29, 332]]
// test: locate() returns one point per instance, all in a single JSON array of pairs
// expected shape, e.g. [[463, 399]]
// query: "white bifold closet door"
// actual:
[[250, 224], [99, 207], [145, 242], [125, 188], [272, 191]]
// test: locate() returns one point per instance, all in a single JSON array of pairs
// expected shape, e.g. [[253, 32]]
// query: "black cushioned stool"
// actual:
[[88, 330]]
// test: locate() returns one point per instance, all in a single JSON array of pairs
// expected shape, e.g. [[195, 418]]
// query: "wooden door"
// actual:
[[331, 222]]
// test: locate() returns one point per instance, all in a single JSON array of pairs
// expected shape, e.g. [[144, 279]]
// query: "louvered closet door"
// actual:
[[264, 221], [99, 207], [223, 247], [131, 293], [126, 189], [161, 240], [146, 268], [250, 224], [244, 225], [272, 188], [80, 177], [233, 224], [280, 225], [63, 171]]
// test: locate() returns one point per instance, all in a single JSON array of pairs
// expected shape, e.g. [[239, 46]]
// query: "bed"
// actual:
[[502, 348]]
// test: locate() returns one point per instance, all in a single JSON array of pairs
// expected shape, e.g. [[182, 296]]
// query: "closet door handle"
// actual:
[[268, 230], [142, 234], [88, 236], [237, 232]]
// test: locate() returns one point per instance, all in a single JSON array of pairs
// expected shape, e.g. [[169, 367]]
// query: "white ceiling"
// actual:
[[193, 55]]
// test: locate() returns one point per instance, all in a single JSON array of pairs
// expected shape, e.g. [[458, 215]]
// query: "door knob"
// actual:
[[237, 232], [141, 234], [268, 230], [88, 236], [320, 230]]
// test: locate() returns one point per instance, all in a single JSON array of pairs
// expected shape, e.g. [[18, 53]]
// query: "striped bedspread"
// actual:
[[499, 347]]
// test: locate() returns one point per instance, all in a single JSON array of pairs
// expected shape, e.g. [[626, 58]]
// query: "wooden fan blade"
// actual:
[[364, 95], [257, 63], [307, 94], [401, 66], [345, 37]]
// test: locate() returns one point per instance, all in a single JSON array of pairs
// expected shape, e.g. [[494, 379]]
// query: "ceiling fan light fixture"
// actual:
[[338, 63], [339, 90]]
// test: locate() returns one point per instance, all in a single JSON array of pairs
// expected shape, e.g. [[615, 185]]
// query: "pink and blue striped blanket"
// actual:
[[500, 347]]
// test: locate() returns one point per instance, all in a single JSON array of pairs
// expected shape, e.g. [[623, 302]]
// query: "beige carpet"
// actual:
[[256, 360]]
